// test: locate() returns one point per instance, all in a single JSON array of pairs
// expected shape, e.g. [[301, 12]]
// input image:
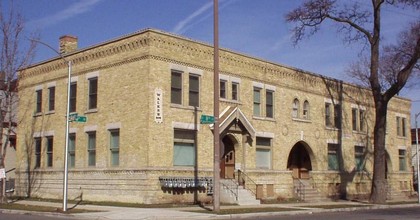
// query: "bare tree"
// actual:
[[386, 74], [13, 56]]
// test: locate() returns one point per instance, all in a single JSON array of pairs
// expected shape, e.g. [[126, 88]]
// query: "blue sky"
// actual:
[[252, 27]]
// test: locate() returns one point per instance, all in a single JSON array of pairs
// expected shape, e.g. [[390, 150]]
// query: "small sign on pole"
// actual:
[[207, 119], [2, 173]]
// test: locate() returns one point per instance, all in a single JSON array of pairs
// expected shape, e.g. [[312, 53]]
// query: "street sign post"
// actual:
[[81, 119], [207, 119]]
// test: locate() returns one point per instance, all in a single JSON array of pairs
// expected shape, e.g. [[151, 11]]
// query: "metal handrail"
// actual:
[[245, 181], [233, 187], [300, 190]]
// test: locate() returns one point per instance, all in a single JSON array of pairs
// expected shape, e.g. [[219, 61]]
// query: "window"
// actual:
[[337, 120], [51, 99], [194, 91], [257, 101], [269, 104], [403, 123], [235, 91], [263, 153], [176, 87], [362, 120], [306, 109], [354, 114], [93, 93], [115, 147], [295, 108], [222, 88], [72, 150], [333, 157], [37, 152], [328, 121], [359, 157], [184, 148], [402, 160], [50, 142], [38, 107], [91, 148], [73, 95]]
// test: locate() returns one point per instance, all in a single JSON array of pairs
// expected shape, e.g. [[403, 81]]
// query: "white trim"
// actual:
[[115, 125], [361, 107], [360, 144], [92, 75], [51, 84], [332, 141], [264, 134], [48, 133], [258, 85], [402, 147], [195, 71], [177, 67], [37, 134], [72, 130], [235, 79], [38, 87], [270, 87], [183, 125], [223, 77], [74, 79], [400, 115], [90, 128]]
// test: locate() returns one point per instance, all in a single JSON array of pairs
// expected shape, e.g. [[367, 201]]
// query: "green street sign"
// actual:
[[81, 118], [207, 119], [73, 116]]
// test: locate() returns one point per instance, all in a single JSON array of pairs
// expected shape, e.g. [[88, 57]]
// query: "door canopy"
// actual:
[[231, 116]]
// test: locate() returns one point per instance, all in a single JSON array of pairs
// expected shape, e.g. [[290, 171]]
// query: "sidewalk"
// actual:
[[124, 213]]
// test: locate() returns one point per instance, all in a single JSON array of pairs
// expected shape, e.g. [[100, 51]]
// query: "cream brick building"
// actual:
[[144, 94]]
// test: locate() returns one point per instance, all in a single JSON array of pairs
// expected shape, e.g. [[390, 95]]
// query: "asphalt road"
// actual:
[[9, 216], [412, 213]]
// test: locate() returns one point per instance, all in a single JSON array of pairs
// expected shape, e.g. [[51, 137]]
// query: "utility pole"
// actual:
[[418, 160], [216, 168]]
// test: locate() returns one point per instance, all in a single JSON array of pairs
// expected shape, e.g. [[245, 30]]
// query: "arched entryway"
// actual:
[[299, 160], [227, 162]]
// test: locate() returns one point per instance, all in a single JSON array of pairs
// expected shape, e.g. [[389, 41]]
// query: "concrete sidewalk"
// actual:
[[124, 213]]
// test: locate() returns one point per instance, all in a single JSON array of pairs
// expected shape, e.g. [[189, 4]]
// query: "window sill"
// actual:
[[231, 101], [192, 108], [89, 111], [331, 129], [359, 132], [37, 114], [50, 112], [402, 137], [263, 118], [302, 120]]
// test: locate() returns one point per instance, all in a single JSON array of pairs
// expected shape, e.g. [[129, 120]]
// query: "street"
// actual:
[[412, 213], [10, 216]]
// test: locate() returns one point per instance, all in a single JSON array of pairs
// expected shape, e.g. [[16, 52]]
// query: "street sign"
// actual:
[[81, 118], [207, 119], [73, 116]]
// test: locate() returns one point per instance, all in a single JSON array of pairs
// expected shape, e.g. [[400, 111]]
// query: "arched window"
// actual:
[[295, 111], [306, 109]]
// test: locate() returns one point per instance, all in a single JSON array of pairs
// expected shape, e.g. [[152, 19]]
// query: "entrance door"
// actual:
[[227, 162], [299, 161]]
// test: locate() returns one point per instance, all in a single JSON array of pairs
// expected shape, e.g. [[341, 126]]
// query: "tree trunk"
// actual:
[[379, 182]]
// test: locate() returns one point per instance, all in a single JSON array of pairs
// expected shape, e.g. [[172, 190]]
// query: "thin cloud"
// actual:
[[74, 9], [202, 13]]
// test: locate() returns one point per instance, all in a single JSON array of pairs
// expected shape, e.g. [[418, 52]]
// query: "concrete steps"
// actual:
[[307, 192], [232, 193]]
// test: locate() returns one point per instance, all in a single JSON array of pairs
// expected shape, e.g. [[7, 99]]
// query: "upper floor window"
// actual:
[[362, 118], [235, 91], [332, 115], [337, 116], [402, 160], [257, 101], [269, 104], [91, 148], [176, 87], [38, 107], [305, 109], [295, 108], [73, 96], [354, 116], [93, 93], [51, 99], [401, 126], [194, 91], [222, 88]]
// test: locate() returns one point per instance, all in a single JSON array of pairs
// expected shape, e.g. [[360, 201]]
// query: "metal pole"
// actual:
[[418, 160], [66, 154], [216, 168]]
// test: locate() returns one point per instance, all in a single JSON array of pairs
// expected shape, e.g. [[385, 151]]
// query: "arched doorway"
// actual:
[[227, 162], [299, 161]]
